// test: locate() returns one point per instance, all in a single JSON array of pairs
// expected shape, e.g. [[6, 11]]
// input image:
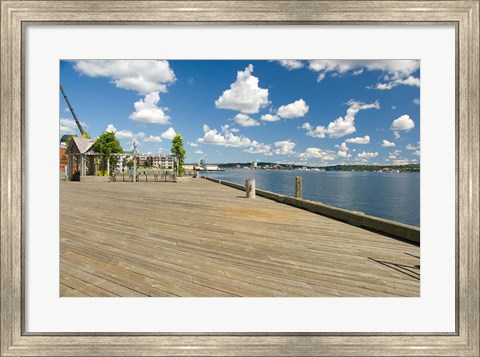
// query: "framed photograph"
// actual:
[[255, 178]]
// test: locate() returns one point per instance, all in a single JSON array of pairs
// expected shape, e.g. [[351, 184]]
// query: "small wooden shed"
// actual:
[[81, 157]]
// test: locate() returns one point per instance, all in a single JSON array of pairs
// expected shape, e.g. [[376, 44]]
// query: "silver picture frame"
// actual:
[[16, 16]]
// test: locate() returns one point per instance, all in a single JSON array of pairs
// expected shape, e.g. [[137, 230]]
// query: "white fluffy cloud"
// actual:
[[307, 126], [412, 147], [147, 111], [343, 125], [336, 66], [245, 120], [223, 138], [291, 64], [153, 139], [296, 109], [396, 134], [168, 134], [387, 144], [227, 138], [403, 123], [110, 128], [124, 134], [401, 162], [127, 134], [259, 148], [400, 67], [293, 110], [394, 82], [316, 153], [69, 127], [416, 101], [284, 147], [343, 150], [397, 72], [367, 155], [244, 94], [270, 117], [415, 149], [143, 76], [359, 140], [199, 152]]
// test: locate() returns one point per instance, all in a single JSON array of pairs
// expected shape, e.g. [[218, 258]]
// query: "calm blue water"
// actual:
[[391, 196]]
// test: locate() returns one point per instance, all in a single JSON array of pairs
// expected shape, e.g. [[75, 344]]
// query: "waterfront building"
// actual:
[[63, 152], [80, 159], [165, 162]]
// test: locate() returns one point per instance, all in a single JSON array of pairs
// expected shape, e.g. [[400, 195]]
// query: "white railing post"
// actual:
[[250, 188]]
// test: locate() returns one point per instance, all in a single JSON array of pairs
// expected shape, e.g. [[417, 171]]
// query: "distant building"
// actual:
[[254, 165], [63, 152], [165, 162], [63, 158], [64, 139]]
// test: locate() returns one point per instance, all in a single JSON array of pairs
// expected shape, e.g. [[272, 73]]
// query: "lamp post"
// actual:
[[134, 161]]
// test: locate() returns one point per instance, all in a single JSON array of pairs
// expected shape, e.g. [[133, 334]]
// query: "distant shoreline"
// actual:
[[353, 168]]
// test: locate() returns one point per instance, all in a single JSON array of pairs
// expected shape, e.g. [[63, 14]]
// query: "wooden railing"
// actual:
[[145, 175]]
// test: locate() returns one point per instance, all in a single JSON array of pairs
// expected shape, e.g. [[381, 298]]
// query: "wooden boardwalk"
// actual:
[[201, 238]]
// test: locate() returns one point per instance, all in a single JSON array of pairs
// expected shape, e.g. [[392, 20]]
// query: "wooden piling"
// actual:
[[250, 188], [298, 187]]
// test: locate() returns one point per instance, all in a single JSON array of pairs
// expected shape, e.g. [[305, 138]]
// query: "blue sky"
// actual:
[[309, 112]]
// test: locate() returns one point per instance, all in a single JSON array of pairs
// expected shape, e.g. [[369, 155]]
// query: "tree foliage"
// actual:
[[108, 144], [67, 142], [177, 149], [148, 162]]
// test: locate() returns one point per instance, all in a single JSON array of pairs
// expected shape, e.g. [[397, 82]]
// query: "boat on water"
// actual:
[[210, 168]]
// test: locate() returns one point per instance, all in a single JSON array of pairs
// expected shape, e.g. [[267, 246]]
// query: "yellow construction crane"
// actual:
[[84, 133]]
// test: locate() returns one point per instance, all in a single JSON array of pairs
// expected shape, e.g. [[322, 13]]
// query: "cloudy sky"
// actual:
[[310, 112]]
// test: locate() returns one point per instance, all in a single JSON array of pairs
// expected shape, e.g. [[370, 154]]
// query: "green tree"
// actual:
[[148, 162], [107, 144], [177, 148], [67, 142]]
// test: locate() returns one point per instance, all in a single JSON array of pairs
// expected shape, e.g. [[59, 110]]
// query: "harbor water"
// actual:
[[393, 196]]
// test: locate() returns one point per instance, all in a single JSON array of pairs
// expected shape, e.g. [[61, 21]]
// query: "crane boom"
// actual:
[[84, 134]]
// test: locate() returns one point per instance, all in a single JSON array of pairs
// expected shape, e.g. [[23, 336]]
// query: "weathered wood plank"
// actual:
[[204, 239]]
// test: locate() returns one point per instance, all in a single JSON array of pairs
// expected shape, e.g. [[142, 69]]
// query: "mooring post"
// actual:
[[298, 186], [250, 188]]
